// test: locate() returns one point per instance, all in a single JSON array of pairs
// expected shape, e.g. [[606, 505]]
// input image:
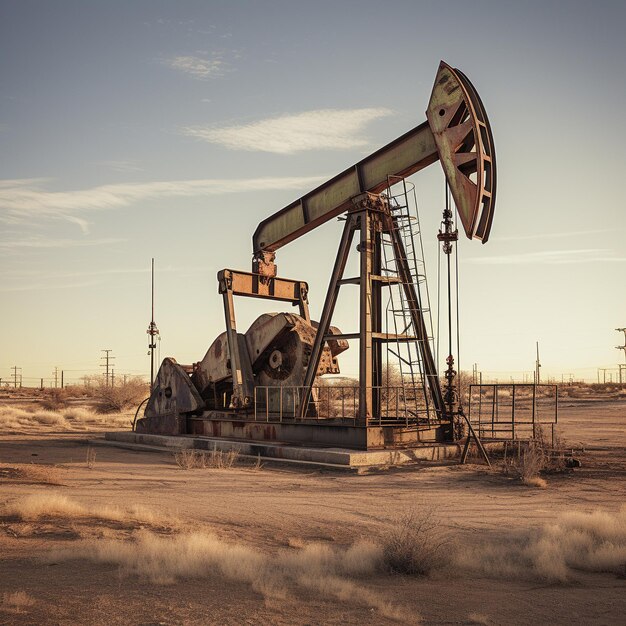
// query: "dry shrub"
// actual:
[[320, 568], [591, 542], [17, 602], [187, 458], [55, 505], [528, 464], [414, 543], [73, 418], [54, 399], [123, 396]]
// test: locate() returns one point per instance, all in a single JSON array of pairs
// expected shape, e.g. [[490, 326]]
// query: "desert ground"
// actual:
[[101, 535]]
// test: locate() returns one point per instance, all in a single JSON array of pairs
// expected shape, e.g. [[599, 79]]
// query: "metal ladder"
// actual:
[[415, 403]]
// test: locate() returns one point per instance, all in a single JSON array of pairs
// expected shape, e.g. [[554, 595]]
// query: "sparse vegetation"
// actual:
[[317, 568], [414, 543], [55, 399], [188, 458], [15, 419], [55, 505], [121, 397], [591, 542], [17, 602], [528, 460]]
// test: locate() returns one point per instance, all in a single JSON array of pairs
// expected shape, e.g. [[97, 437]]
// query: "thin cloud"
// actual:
[[575, 233], [323, 129], [23, 200], [48, 285], [551, 257], [21, 274], [198, 67], [122, 165], [46, 243]]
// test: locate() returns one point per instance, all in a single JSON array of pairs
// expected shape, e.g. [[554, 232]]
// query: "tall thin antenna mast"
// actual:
[[448, 235], [152, 332], [537, 366]]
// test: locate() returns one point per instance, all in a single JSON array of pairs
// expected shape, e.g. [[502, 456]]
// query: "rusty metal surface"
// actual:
[[259, 286], [276, 347], [265, 330], [172, 424], [173, 392], [215, 366], [341, 435], [466, 149]]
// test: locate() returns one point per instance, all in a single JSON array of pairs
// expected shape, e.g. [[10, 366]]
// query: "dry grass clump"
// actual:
[[54, 399], [414, 543], [188, 458], [121, 397], [534, 458], [325, 570], [56, 505], [16, 602], [591, 542], [72, 418]]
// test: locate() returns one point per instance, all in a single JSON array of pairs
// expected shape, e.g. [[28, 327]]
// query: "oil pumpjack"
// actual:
[[266, 384]]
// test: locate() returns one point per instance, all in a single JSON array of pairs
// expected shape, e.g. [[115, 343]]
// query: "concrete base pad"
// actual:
[[337, 457]]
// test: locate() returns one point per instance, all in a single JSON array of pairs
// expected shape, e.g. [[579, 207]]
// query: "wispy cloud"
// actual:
[[47, 243], [323, 129], [48, 285], [122, 165], [198, 67], [24, 201], [560, 235], [552, 257]]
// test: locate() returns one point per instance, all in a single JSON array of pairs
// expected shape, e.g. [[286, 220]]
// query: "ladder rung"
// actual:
[[392, 337]]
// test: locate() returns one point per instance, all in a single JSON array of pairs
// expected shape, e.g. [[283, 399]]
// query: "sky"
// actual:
[[150, 128]]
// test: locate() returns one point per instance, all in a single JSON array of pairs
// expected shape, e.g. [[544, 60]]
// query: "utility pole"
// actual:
[[622, 330], [56, 377], [107, 359], [153, 333], [15, 370], [537, 366], [603, 370], [112, 378]]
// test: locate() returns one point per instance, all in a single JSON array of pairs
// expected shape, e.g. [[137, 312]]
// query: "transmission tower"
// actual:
[[107, 358]]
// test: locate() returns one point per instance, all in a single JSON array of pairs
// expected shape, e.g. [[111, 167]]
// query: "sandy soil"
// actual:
[[268, 515]]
